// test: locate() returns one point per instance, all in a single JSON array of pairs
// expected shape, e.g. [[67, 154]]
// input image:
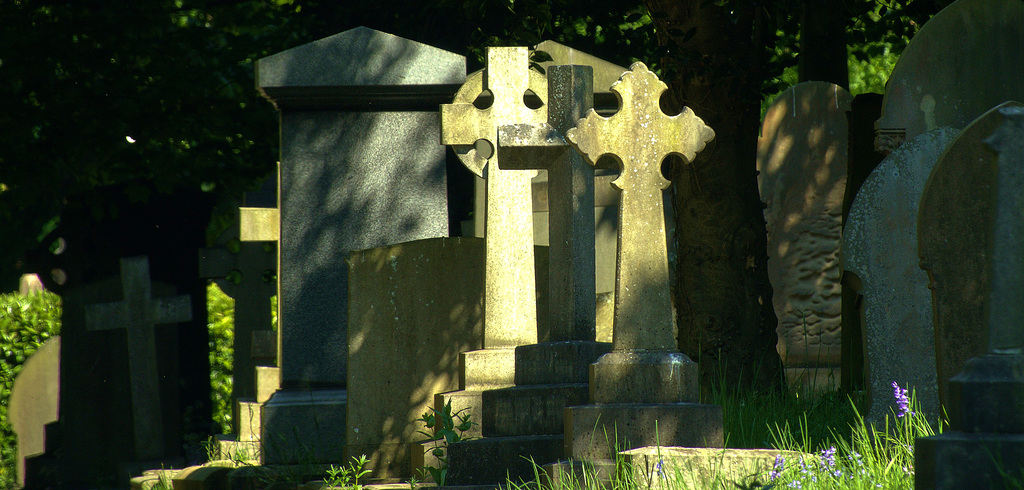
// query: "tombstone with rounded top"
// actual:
[[964, 61], [954, 249], [880, 248], [801, 156]]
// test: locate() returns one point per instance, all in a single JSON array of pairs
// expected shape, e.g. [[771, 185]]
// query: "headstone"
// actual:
[[417, 306], [510, 315], [954, 249], [801, 157], [35, 396], [524, 424], [243, 271], [119, 381], [984, 446], [360, 168], [139, 314], [880, 249], [962, 62], [645, 391]]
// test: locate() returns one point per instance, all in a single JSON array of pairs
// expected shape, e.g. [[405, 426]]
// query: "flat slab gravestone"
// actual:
[[801, 156], [963, 62], [35, 398], [880, 248], [419, 305], [954, 250]]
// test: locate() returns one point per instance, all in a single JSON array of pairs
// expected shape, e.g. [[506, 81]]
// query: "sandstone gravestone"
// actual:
[[880, 249], [962, 62], [35, 396], [984, 446], [360, 168], [510, 315], [524, 425], [801, 157], [645, 391], [954, 250], [418, 304]]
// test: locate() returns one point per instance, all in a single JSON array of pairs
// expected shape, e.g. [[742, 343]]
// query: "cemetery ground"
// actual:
[[813, 440]]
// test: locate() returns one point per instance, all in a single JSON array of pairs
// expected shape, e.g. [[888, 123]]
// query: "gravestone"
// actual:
[[359, 169], [954, 249], [420, 302], [243, 270], [119, 381], [984, 445], [35, 396], [605, 198], [801, 157], [510, 316], [880, 250], [645, 391], [524, 424], [29, 283], [963, 62]]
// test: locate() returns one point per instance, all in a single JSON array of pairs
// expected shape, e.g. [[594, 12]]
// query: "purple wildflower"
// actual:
[[902, 401], [777, 467]]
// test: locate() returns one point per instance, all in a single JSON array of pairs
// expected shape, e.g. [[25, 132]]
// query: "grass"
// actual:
[[833, 447]]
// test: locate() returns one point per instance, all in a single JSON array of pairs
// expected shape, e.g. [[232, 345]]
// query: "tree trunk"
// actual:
[[722, 297]]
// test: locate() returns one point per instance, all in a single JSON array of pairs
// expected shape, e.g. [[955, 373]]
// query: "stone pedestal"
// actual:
[[986, 429]]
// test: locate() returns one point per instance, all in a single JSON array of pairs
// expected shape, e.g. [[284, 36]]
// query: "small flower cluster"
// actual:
[[834, 472], [902, 400]]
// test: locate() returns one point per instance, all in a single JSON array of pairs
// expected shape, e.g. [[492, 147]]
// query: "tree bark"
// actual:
[[722, 296]]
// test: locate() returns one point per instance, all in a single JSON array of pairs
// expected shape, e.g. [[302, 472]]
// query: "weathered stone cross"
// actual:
[[138, 314], [640, 136], [572, 302], [510, 316]]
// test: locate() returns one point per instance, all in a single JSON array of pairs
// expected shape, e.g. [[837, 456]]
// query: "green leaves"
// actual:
[[443, 425]]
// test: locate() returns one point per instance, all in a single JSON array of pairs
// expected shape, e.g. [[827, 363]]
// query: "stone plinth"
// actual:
[[597, 431]]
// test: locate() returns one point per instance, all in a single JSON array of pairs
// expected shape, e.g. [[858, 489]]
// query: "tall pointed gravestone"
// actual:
[[359, 169], [954, 250], [880, 250], [963, 62], [645, 391], [801, 157], [984, 447]]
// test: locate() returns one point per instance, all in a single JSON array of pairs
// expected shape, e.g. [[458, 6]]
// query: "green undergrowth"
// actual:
[[25, 323]]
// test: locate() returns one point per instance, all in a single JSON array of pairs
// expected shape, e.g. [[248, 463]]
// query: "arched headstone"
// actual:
[[962, 62], [801, 159], [880, 248]]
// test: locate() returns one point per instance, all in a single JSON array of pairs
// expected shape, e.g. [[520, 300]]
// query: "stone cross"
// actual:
[[1006, 303], [640, 136], [510, 317], [572, 298], [138, 314]]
